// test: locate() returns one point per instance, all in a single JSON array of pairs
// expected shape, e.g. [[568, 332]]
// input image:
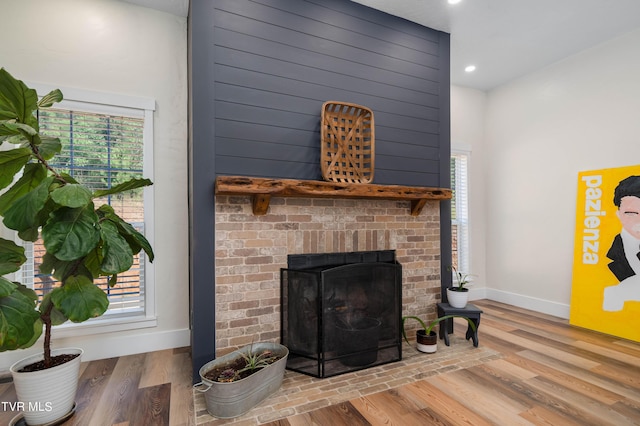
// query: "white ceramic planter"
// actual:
[[48, 394], [458, 299]]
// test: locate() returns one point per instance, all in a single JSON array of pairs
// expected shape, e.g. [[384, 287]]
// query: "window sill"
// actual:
[[104, 324]]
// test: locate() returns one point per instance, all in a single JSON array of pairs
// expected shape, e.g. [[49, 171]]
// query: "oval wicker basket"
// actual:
[[347, 143]]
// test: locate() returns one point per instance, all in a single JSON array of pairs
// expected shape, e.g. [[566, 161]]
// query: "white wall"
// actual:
[[582, 113], [467, 134], [116, 47]]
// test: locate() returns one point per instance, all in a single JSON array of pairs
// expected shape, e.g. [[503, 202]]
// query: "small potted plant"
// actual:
[[82, 242], [458, 295], [426, 337]]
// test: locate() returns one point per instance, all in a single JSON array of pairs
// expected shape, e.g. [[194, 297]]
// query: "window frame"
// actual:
[[82, 100], [461, 199]]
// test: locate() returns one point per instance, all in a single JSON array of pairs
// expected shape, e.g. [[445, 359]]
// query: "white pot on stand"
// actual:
[[47, 395], [458, 297]]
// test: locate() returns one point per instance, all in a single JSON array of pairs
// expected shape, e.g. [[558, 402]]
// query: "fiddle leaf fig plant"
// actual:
[[82, 242]]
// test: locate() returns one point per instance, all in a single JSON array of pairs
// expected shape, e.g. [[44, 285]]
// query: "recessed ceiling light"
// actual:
[[470, 68], [454, 1]]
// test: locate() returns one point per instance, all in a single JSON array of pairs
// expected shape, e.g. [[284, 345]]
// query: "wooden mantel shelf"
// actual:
[[262, 189]]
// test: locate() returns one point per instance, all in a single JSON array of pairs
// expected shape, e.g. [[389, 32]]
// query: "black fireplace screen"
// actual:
[[341, 312]]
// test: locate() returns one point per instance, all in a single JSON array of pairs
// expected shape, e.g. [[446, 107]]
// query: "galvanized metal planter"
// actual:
[[228, 400]]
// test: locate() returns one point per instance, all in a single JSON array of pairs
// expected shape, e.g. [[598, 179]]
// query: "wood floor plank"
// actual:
[[629, 347], [448, 409], [152, 406], [630, 359], [483, 400], [628, 376], [502, 345], [497, 323], [182, 410], [541, 416], [116, 400], [587, 410], [156, 369], [281, 422], [586, 375], [508, 369], [91, 384], [554, 325], [546, 348], [585, 350], [386, 407], [343, 414], [504, 386], [569, 380], [628, 408], [426, 416]]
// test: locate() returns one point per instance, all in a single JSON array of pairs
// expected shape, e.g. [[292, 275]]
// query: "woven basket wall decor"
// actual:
[[347, 143]]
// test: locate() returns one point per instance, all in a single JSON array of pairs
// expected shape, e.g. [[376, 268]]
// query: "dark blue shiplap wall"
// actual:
[[277, 61], [260, 71]]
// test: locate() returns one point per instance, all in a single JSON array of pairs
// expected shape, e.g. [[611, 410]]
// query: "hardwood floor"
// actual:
[[548, 374], [137, 390]]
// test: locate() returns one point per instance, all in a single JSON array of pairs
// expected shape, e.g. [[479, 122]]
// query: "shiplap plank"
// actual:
[[234, 81], [314, 22]]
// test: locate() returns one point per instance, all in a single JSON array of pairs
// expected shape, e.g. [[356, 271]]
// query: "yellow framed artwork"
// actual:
[[605, 291]]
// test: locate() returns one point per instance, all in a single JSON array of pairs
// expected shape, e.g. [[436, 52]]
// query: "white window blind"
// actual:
[[100, 151], [459, 211]]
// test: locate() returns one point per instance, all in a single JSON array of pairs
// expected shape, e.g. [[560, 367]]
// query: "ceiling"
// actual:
[[504, 39]]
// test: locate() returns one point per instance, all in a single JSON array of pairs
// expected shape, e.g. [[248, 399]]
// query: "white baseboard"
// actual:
[[556, 309], [101, 346], [477, 293]]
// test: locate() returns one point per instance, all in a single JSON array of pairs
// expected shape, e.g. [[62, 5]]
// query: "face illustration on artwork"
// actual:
[[629, 215]]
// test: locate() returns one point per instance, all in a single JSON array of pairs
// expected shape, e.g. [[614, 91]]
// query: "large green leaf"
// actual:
[[68, 178], [57, 317], [22, 215], [92, 262], [33, 174], [37, 332], [134, 238], [63, 269], [18, 318], [16, 99], [27, 292], [12, 128], [18, 139], [49, 147], [71, 233], [11, 256], [116, 254], [10, 163], [6, 287], [124, 186], [79, 299], [50, 98], [72, 195]]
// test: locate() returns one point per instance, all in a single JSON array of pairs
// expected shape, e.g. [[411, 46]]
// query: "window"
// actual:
[[459, 211], [104, 145]]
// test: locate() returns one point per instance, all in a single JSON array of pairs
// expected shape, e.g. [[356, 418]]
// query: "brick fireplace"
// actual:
[[251, 249]]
